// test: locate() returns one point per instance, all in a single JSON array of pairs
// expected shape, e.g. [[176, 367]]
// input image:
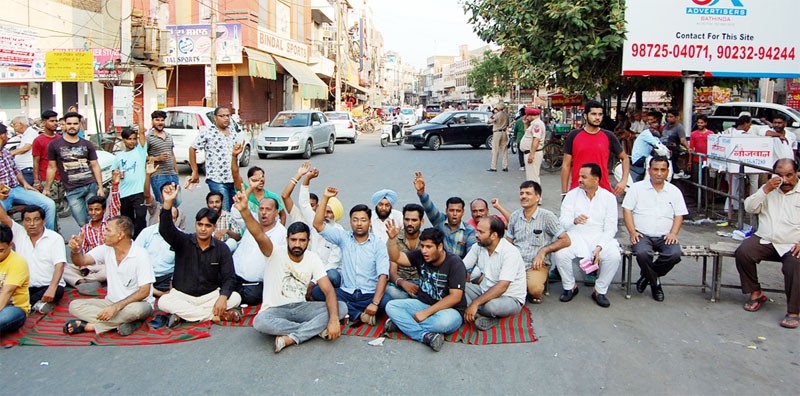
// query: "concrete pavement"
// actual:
[[685, 345]]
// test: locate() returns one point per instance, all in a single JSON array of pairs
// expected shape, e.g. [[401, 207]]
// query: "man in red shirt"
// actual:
[[40, 162], [698, 143], [592, 144]]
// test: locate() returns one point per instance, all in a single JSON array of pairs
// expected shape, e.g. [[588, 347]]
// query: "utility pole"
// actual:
[[338, 95], [213, 54]]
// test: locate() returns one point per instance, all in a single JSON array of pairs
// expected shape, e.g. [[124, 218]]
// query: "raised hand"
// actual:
[[304, 168], [116, 176], [313, 173], [392, 229], [170, 192], [240, 202], [151, 167], [419, 183], [237, 149], [496, 203], [76, 242], [331, 192]]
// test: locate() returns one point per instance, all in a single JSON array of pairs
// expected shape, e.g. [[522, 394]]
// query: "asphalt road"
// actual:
[[685, 345]]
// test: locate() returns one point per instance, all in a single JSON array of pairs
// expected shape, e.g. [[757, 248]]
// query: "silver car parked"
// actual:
[[296, 132]]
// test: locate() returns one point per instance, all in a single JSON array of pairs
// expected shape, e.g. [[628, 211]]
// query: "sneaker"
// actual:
[[433, 340], [390, 326], [367, 319], [522, 169], [324, 335], [43, 308], [680, 175], [127, 329], [590, 279], [484, 323]]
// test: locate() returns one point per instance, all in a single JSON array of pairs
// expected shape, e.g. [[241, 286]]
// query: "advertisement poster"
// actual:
[[793, 93], [191, 44], [68, 66], [720, 38]]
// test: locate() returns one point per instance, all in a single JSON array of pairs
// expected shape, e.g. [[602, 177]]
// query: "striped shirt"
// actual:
[[457, 241], [8, 169], [156, 146], [531, 235], [93, 237]]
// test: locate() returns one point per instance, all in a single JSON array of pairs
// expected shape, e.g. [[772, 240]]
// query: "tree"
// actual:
[[579, 40], [490, 75]]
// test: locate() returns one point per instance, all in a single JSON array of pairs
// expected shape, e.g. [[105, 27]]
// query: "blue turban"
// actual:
[[380, 195]]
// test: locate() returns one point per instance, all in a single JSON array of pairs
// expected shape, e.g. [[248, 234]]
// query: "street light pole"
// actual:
[[213, 55], [338, 95]]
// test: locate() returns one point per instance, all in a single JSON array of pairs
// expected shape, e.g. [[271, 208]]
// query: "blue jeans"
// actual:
[[228, 190], [336, 280], [402, 313], [398, 292], [356, 302], [19, 195], [27, 173], [301, 321], [11, 319], [156, 181], [77, 198]]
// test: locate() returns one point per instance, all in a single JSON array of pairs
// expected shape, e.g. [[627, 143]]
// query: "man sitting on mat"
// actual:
[[204, 279], [14, 302], [43, 250], [777, 239], [439, 303], [130, 293], [288, 268], [497, 266], [365, 262]]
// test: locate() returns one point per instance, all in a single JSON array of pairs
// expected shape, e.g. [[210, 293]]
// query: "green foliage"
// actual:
[[577, 41], [490, 76]]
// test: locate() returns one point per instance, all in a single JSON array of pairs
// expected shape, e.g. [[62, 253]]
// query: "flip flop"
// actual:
[[74, 326], [755, 305], [790, 322]]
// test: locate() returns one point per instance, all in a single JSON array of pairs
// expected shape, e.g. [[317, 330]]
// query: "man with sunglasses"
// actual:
[[536, 232], [217, 143]]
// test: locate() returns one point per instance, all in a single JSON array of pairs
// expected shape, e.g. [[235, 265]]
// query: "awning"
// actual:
[[260, 64], [311, 87], [356, 87]]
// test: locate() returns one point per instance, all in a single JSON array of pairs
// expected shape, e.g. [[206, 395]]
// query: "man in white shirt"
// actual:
[[130, 293], [384, 201], [43, 250], [788, 139], [23, 154], [777, 239], [741, 128], [589, 215], [247, 259], [288, 269], [653, 211], [499, 266]]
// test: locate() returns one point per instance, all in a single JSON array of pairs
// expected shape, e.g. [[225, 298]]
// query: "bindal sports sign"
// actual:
[[722, 38]]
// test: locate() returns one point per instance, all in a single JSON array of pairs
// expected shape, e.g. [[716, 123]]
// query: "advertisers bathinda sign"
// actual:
[[722, 38], [191, 44]]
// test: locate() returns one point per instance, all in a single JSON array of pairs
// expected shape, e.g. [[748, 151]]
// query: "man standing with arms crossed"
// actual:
[[217, 143], [160, 148]]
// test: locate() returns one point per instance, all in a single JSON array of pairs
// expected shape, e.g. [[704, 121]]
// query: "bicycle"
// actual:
[[512, 142], [553, 150]]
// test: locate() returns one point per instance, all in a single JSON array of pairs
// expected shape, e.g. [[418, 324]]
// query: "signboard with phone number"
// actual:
[[721, 38]]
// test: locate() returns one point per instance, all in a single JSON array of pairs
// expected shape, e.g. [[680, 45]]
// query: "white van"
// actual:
[[184, 123], [760, 110]]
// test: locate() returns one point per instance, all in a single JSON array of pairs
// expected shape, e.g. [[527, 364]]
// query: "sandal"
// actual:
[[534, 300], [74, 326], [231, 315], [755, 305], [790, 322]]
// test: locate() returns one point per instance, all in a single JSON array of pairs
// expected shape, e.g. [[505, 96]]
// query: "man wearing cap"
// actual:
[[384, 201], [499, 123], [531, 144]]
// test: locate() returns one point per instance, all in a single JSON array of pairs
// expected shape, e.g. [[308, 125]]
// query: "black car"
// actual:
[[452, 127]]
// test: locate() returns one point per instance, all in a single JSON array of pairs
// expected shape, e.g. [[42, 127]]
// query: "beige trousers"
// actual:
[[194, 309], [87, 310], [72, 274], [532, 169], [499, 142], [536, 280]]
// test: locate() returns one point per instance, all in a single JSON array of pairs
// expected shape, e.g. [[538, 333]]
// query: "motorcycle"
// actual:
[[640, 173], [392, 133]]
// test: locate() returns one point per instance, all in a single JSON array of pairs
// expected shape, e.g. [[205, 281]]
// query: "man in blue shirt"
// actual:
[[458, 235], [642, 147], [162, 257], [131, 163], [365, 261]]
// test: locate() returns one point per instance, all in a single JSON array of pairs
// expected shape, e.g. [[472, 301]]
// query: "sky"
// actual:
[[418, 29]]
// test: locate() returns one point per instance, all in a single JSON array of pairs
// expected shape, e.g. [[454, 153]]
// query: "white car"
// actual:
[[296, 132], [759, 110], [184, 123], [408, 116], [343, 122]]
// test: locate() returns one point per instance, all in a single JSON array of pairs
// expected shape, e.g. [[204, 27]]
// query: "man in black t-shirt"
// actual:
[[439, 305]]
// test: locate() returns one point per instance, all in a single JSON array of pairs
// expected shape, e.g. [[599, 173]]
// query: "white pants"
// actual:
[[610, 259], [532, 169], [194, 309], [87, 309]]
